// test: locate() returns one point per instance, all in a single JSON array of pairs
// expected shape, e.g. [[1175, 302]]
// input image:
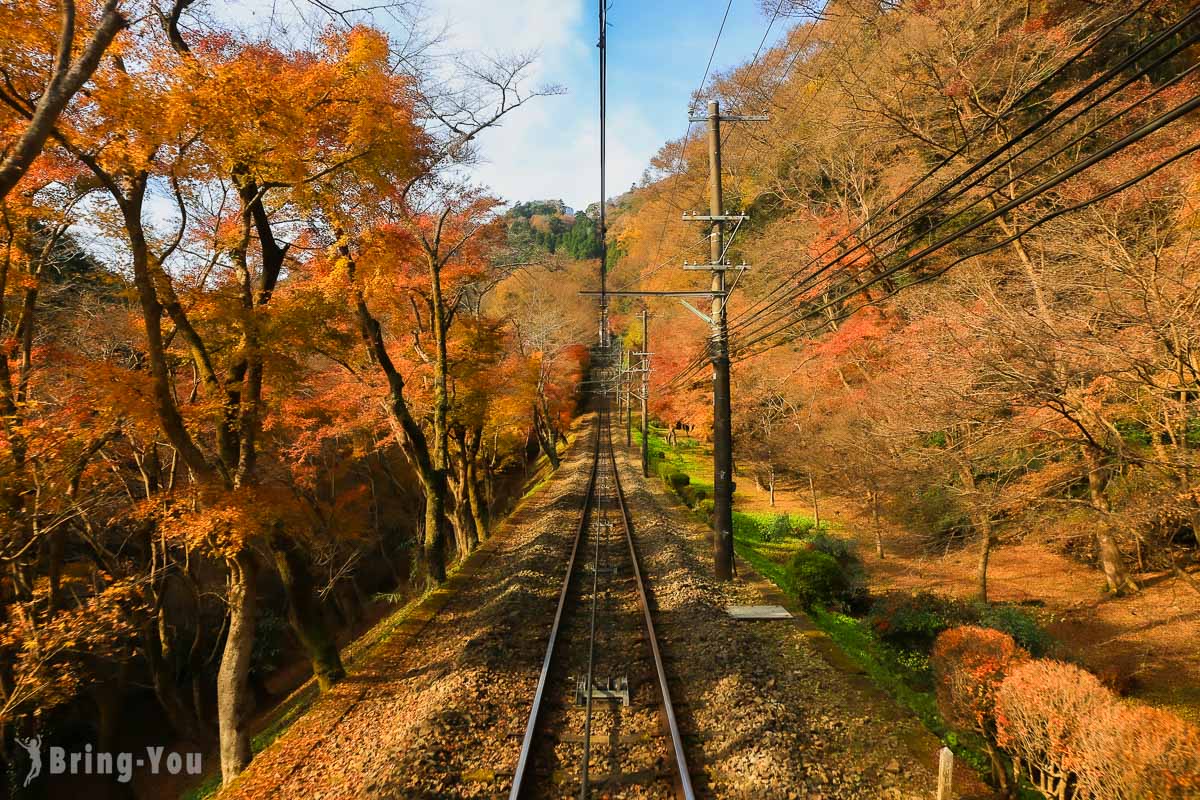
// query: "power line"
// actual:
[[1163, 120], [683, 145], [1180, 111], [965, 146], [805, 283], [923, 208]]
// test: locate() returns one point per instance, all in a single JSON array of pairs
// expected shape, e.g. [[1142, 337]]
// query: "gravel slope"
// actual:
[[434, 716], [441, 713], [769, 716]]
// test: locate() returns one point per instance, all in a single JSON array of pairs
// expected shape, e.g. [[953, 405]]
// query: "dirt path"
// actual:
[[1144, 644]]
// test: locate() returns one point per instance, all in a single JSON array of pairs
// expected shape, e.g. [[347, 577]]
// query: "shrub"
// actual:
[[664, 471], [969, 664], [1136, 751], [841, 549], [700, 494], [678, 480], [1017, 623], [855, 598], [1041, 709], [706, 507], [779, 529], [815, 577], [803, 526], [912, 621], [688, 495]]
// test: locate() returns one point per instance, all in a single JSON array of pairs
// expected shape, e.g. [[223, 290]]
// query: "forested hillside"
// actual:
[[916, 334], [551, 226]]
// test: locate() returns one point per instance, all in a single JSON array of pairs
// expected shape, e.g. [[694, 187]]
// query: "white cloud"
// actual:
[[542, 149], [548, 152], [494, 26], [550, 147]]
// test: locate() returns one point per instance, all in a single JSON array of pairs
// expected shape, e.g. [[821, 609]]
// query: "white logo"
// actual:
[[118, 765], [33, 746]]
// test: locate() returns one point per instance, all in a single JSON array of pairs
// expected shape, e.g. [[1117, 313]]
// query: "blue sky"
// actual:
[[656, 58], [549, 149]]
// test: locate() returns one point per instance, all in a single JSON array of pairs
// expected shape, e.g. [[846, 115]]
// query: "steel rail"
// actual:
[[601, 521], [683, 777], [535, 713]]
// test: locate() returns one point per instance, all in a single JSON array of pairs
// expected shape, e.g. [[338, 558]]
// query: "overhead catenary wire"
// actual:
[[1178, 112], [750, 315], [1103, 195], [683, 147], [1104, 31], [603, 45]]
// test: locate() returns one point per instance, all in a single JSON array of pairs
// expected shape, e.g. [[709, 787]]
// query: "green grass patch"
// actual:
[[761, 531], [687, 456]]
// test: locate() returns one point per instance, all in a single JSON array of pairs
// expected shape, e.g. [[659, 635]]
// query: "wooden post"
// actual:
[[945, 774], [816, 511]]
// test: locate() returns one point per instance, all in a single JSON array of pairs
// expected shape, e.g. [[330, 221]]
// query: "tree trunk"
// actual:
[[466, 535], [466, 525], [65, 80], [545, 438], [873, 496], [305, 613], [434, 545], [475, 498], [182, 720], [816, 510], [771, 487], [233, 697], [1111, 560], [986, 541]]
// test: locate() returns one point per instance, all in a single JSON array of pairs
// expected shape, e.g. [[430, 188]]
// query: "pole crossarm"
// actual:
[[687, 265], [690, 217], [732, 118], [697, 293]]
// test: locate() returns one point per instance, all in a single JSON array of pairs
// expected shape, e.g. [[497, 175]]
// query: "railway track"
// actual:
[[602, 722]]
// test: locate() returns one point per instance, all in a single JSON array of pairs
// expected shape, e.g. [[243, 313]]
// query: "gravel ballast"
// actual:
[[441, 713]]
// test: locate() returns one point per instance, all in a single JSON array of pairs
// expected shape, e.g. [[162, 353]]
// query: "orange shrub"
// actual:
[[969, 664], [1136, 752], [1041, 709]]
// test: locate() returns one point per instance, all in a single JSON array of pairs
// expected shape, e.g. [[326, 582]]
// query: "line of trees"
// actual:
[[264, 349]]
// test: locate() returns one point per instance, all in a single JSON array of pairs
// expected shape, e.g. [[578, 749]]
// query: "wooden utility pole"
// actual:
[[719, 343], [645, 394], [722, 414]]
